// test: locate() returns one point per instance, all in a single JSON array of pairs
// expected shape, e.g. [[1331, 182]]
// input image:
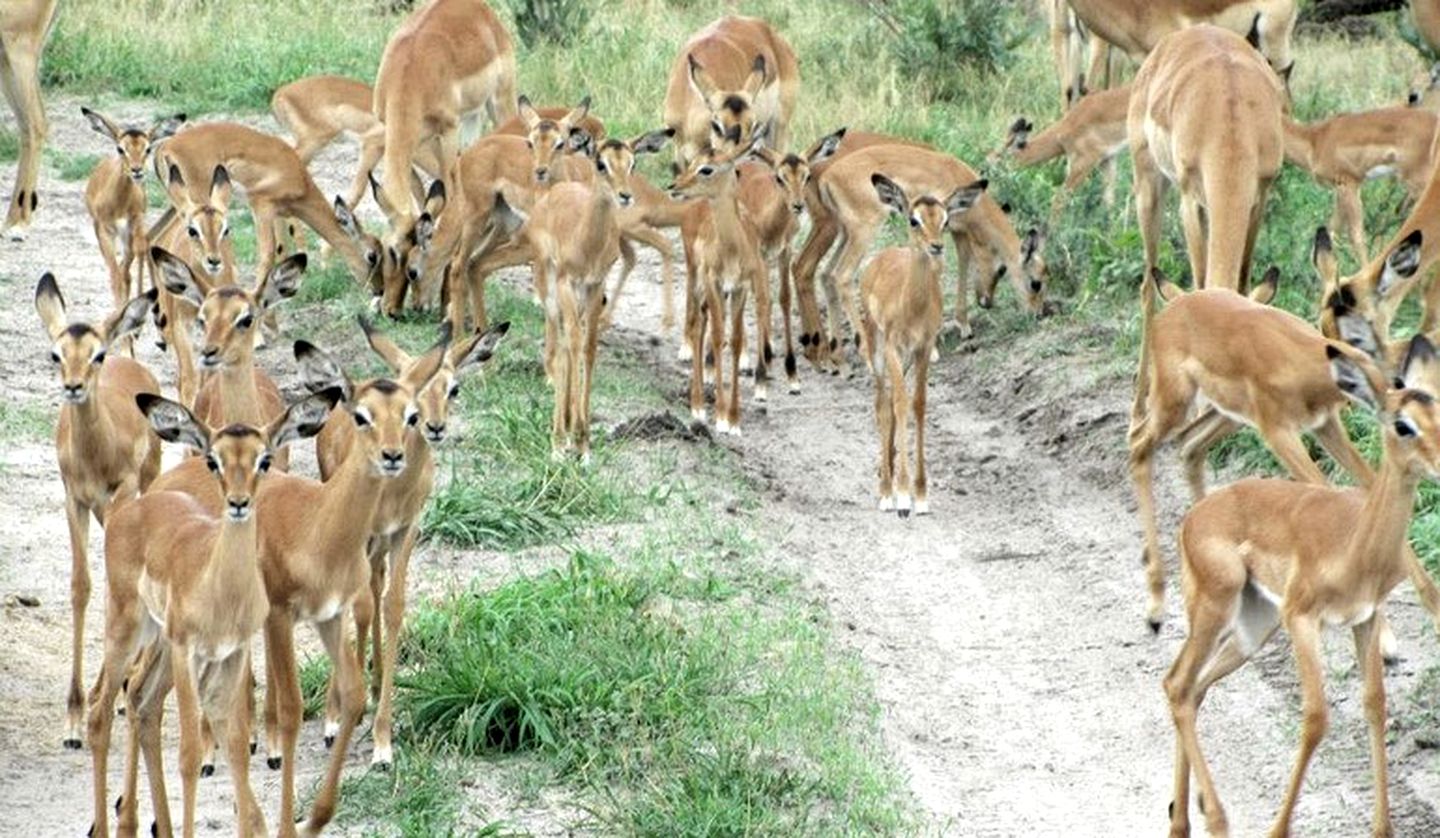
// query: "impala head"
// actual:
[[615, 161], [1029, 280], [548, 139], [792, 171], [133, 143], [1398, 270], [1017, 138], [401, 262], [711, 171], [1407, 410], [928, 216], [238, 455], [207, 223], [732, 112], [228, 314], [384, 411], [78, 350], [440, 394]]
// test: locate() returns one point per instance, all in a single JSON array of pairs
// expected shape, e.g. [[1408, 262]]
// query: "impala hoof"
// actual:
[[154, 829], [922, 506], [382, 759], [1154, 623], [119, 801], [722, 426], [887, 503], [253, 747], [273, 763], [207, 770], [72, 743], [794, 387], [329, 740]]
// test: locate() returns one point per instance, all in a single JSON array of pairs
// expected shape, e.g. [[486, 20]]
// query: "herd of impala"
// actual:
[[200, 558]]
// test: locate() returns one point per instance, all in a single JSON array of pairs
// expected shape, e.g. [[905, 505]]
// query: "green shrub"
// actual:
[[938, 40], [549, 21]]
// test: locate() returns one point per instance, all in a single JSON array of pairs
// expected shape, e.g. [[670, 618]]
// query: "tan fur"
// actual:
[[1068, 43], [1262, 553], [1205, 114], [983, 237], [739, 59], [901, 308], [115, 196], [1138, 26], [1426, 16], [105, 448], [448, 60], [185, 597], [276, 185], [24, 28], [1089, 134], [1346, 150], [395, 526]]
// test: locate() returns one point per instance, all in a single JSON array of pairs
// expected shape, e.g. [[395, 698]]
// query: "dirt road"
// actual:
[[1020, 689]]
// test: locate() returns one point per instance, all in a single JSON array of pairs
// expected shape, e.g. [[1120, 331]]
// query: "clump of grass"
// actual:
[[9, 145], [721, 724], [25, 421], [71, 166]]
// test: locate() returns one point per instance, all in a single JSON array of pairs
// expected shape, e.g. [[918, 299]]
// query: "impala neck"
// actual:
[[90, 425], [726, 209], [924, 274], [1300, 144], [347, 506], [233, 568], [599, 222], [1384, 523], [239, 395]]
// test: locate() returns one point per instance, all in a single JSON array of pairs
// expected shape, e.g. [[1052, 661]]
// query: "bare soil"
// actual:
[[1019, 687]]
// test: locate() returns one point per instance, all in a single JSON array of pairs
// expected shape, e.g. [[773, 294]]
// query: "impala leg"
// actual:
[[20, 79], [227, 706], [1305, 639], [119, 281], [187, 700], [1350, 217], [352, 705], [900, 409], [150, 683], [372, 148], [885, 425], [695, 315], [1151, 427], [963, 254], [284, 681], [1208, 617], [792, 376], [1337, 444], [1196, 440], [122, 630], [77, 518], [842, 274], [716, 321], [401, 546], [1149, 186], [922, 373], [590, 346], [823, 231], [737, 351], [1368, 655], [1192, 216], [627, 265], [273, 747], [764, 317]]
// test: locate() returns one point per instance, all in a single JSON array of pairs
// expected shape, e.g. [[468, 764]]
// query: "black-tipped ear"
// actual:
[[1354, 384], [1402, 263], [1268, 287], [172, 422], [1419, 361], [1253, 36]]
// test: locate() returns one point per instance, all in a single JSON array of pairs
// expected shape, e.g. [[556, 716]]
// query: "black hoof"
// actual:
[[903, 513], [382, 767], [329, 741], [1391, 660], [1154, 623], [119, 801], [207, 771], [1170, 810], [1200, 799], [154, 829], [120, 710], [253, 746], [273, 763], [90, 833], [72, 743]]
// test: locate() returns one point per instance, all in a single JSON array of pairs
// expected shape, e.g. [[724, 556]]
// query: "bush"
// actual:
[[939, 41], [549, 21]]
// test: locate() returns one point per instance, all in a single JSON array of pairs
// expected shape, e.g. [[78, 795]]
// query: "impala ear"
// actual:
[[528, 114], [346, 217], [826, 146], [700, 80], [173, 422], [304, 418], [651, 142], [101, 124], [178, 279], [1253, 36], [1401, 264], [165, 127], [756, 79], [435, 198], [319, 371], [1356, 331], [419, 373], [220, 186], [1322, 256], [394, 357], [578, 112], [478, 348], [50, 305], [890, 194], [283, 281], [1351, 378], [1167, 290], [129, 318], [1268, 287], [1420, 368], [966, 197]]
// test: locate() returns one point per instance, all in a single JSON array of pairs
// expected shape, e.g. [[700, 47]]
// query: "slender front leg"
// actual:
[[284, 682], [77, 517], [352, 705], [899, 408], [401, 545], [922, 373], [1305, 638], [823, 231], [963, 259], [791, 372], [1368, 654], [760, 280], [187, 700], [885, 425], [20, 74]]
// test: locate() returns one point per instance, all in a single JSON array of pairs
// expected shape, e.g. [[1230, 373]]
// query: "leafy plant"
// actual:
[[550, 21]]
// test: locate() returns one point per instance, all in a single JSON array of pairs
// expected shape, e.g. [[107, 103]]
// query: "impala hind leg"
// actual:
[[401, 545], [352, 705], [20, 80], [1196, 440], [786, 301], [1168, 399], [1208, 617], [823, 232], [77, 517], [1368, 654], [1305, 640], [922, 372]]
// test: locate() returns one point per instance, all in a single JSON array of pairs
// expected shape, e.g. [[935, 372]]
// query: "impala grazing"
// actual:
[[1089, 134]]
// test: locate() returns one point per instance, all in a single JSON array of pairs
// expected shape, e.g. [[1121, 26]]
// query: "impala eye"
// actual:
[[361, 419], [120, 150], [601, 167], [454, 392], [54, 356], [99, 357], [559, 144], [914, 222], [263, 465], [225, 232], [706, 171], [212, 463], [194, 232], [244, 322], [412, 418]]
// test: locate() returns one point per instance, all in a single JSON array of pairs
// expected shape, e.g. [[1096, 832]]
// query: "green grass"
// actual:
[[9, 145], [72, 166], [25, 421]]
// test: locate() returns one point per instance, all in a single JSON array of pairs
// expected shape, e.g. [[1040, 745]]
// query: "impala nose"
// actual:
[[392, 460], [239, 508], [798, 208], [435, 431], [542, 174], [73, 392], [212, 263], [626, 199], [210, 356], [937, 249]]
